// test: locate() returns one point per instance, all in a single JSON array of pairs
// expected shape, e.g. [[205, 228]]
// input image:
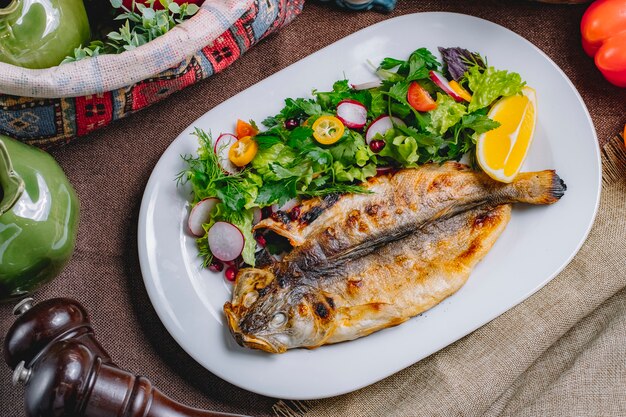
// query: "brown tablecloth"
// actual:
[[110, 170]]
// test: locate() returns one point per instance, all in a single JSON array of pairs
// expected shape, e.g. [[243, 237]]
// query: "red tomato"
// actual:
[[419, 98], [129, 3]]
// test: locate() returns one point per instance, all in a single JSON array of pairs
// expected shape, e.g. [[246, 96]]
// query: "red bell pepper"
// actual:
[[603, 30]]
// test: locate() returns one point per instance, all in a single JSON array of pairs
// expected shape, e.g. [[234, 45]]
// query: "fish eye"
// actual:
[[278, 319]]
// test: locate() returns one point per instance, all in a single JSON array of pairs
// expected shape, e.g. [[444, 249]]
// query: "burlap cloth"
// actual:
[[562, 352]]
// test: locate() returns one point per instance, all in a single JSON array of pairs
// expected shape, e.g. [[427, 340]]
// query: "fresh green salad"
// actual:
[[421, 110]]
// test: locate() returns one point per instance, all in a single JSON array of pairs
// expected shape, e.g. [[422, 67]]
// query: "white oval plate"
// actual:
[[537, 244]]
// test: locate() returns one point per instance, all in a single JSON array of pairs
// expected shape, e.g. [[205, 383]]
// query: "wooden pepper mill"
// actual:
[[53, 351]]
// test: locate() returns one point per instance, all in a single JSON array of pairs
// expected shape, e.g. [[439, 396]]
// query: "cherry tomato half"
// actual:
[[245, 129], [419, 98], [243, 151], [328, 130]]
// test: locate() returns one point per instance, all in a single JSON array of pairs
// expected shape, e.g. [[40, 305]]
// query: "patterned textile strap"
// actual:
[[53, 122]]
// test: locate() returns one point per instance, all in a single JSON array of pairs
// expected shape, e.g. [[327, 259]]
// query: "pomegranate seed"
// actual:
[[294, 214], [216, 266], [377, 145], [260, 239], [291, 124], [231, 273]]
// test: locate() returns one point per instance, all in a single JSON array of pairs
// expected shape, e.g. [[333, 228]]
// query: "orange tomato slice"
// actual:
[[245, 129], [328, 130], [242, 152]]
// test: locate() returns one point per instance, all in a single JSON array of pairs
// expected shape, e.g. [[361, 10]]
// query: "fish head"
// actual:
[[278, 316]]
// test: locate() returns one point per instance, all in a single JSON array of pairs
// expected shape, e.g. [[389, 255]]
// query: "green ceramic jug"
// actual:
[[38, 218], [41, 33]]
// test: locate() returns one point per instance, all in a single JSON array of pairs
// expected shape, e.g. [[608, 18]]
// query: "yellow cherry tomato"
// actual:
[[243, 151], [465, 95], [328, 130]]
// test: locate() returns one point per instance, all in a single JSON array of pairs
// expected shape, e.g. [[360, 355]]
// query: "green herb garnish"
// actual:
[[139, 27]]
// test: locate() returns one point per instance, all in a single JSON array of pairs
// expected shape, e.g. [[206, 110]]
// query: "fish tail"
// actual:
[[542, 187]]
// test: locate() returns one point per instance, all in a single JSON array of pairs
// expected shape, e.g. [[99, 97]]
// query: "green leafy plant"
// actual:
[[138, 28]]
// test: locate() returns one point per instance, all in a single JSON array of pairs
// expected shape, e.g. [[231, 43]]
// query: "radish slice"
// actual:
[[225, 241], [289, 204], [381, 125], [352, 113], [257, 215], [221, 148], [200, 215], [367, 86], [442, 83]]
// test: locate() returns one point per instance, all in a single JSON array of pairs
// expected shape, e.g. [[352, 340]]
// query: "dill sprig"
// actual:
[[209, 180]]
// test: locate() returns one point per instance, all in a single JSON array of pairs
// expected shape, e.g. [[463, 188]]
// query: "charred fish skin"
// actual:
[[366, 294], [400, 203]]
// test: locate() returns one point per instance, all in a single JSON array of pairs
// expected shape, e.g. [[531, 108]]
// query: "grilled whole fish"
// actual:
[[376, 259]]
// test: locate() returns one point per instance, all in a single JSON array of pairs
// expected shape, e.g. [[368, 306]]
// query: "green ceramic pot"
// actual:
[[41, 33], [38, 218]]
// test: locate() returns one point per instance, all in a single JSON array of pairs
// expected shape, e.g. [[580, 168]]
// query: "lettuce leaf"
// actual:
[[447, 114], [489, 84]]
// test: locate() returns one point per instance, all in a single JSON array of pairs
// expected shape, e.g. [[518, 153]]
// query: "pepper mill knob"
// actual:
[[38, 326]]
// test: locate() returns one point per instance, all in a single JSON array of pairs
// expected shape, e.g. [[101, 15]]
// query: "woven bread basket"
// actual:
[[53, 106]]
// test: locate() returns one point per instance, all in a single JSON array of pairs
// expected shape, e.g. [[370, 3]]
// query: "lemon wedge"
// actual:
[[501, 151]]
